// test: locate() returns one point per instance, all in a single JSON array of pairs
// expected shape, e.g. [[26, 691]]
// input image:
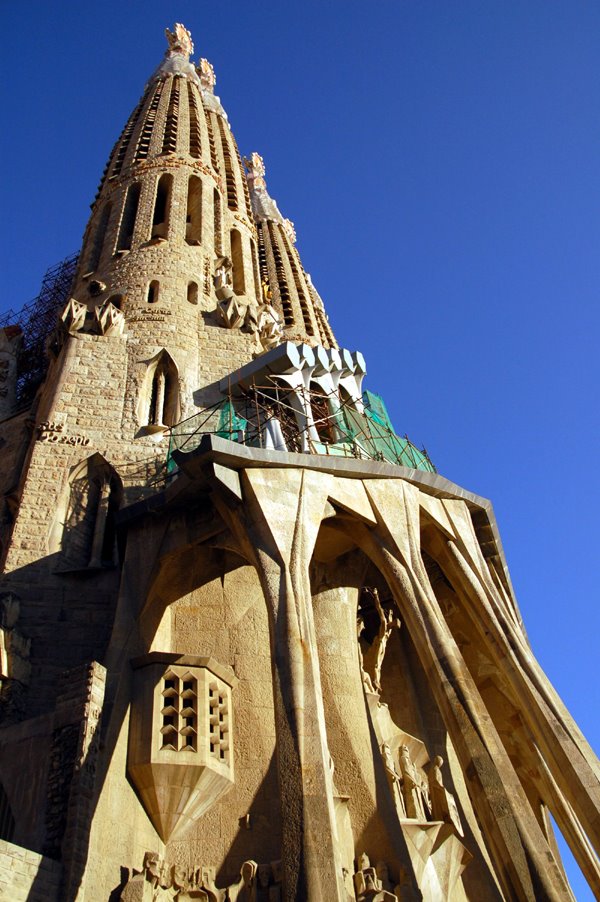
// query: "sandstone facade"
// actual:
[[252, 645]]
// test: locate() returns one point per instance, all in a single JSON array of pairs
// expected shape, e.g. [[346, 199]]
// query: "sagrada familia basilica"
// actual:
[[253, 646]]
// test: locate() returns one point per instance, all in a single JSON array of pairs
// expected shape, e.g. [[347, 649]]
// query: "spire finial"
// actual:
[[256, 170], [206, 73], [179, 40]]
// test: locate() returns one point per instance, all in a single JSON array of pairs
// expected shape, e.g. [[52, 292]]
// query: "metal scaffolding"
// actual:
[[36, 320], [268, 416]]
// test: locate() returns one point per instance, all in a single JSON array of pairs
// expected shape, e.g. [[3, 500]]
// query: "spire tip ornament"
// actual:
[[179, 40]]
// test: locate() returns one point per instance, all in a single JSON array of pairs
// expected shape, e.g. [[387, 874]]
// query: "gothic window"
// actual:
[[88, 516], [237, 261], [98, 240], [129, 216], [152, 296], [193, 219], [162, 207], [161, 395]]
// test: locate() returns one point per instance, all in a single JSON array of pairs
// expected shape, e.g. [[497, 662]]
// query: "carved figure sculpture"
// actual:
[[223, 280], [443, 804], [232, 312], [367, 682], [387, 622], [393, 779], [368, 885], [245, 890], [411, 786], [270, 330]]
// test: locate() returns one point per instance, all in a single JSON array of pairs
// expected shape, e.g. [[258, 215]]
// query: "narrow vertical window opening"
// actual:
[[192, 292], [153, 292], [162, 206], [218, 242], [129, 216], [195, 136], [237, 262], [99, 236], [232, 200], [193, 219], [170, 135], [143, 147]]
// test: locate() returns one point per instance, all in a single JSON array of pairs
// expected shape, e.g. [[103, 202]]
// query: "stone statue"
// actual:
[[223, 280], [393, 779], [245, 890], [369, 885], [443, 803], [269, 328], [367, 682], [411, 786], [267, 294], [387, 622]]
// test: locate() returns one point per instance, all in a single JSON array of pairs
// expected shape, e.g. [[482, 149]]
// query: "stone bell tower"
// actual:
[[253, 646]]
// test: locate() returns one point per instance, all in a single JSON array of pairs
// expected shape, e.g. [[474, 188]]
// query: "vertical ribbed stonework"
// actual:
[[173, 203], [294, 296]]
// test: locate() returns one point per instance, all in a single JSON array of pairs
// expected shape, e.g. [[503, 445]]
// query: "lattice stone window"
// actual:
[[179, 712], [180, 755], [218, 719]]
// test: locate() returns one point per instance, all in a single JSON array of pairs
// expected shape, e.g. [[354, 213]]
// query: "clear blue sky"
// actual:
[[440, 161]]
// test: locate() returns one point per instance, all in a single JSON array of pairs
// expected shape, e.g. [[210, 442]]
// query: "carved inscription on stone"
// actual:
[[55, 434]]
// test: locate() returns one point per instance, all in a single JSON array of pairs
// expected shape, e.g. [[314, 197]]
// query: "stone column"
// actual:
[[277, 527], [570, 761], [521, 854]]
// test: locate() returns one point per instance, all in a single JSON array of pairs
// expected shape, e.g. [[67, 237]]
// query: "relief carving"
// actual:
[[160, 880]]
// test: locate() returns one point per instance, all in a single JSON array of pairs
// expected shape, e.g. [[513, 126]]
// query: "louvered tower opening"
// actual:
[[143, 146], [98, 240], [308, 324], [255, 268], [284, 291], [262, 253], [117, 156], [232, 199], [244, 180], [195, 135], [214, 160], [218, 241], [127, 135], [169, 144]]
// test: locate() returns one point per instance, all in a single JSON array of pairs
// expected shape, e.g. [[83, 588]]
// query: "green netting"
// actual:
[[369, 435]]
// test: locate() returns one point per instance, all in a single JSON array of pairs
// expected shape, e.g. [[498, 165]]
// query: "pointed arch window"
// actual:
[[160, 406], [162, 206], [88, 516]]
